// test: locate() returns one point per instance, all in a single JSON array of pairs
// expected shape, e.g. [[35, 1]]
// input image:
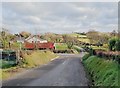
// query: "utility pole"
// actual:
[[20, 42], [36, 39]]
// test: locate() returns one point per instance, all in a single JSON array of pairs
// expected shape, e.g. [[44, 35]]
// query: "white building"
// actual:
[[34, 39]]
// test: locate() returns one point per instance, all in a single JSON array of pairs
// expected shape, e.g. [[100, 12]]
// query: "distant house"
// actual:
[[33, 39]]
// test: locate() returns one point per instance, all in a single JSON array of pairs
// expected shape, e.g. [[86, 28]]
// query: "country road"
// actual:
[[67, 70]]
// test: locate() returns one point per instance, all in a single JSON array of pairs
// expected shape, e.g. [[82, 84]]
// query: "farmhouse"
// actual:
[[33, 39], [34, 42]]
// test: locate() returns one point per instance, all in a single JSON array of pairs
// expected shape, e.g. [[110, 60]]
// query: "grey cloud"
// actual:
[[59, 17]]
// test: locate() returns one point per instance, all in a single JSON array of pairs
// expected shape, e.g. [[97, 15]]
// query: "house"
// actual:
[[33, 39], [34, 42]]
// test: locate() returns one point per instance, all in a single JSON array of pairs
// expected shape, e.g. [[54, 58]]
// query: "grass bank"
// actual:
[[37, 58], [103, 72], [30, 60]]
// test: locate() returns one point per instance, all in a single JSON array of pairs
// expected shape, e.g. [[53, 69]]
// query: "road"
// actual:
[[67, 70]]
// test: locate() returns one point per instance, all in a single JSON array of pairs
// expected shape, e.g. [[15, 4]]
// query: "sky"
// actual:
[[59, 17]]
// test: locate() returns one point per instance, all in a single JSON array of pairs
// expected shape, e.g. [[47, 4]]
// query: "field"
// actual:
[[77, 35], [82, 38], [85, 40], [100, 48], [61, 46]]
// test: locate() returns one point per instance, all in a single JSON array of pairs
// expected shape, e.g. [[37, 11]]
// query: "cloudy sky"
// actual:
[[59, 17]]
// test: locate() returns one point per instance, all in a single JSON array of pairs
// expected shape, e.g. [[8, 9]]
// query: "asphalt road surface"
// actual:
[[67, 70]]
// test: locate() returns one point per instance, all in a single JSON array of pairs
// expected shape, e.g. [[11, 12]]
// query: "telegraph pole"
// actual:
[[36, 38], [20, 42]]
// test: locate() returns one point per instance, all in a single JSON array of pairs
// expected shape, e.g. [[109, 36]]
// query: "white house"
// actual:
[[33, 39]]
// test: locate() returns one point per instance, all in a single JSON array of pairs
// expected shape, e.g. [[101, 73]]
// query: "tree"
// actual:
[[117, 45], [25, 34], [114, 44], [113, 33], [104, 38], [68, 40], [97, 37], [93, 36], [64, 38], [4, 38]]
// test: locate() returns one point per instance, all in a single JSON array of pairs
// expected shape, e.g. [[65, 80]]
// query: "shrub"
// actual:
[[117, 45], [114, 44], [92, 51]]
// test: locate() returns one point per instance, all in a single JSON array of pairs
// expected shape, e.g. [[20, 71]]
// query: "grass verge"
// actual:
[[36, 58], [103, 72]]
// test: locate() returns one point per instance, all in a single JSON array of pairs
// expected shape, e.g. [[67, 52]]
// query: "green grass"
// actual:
[[38, 58], [104, 72], [61, 46]]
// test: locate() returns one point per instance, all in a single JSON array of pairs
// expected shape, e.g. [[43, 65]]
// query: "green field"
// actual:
[[99, 48], [61, 46], [82, 38], [85, 40]]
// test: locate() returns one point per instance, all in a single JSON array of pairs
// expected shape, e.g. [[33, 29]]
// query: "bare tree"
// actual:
[[68, 40]]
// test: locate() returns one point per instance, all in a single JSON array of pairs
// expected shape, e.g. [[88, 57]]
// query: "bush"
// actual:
[[92, 51], [114, 44], [117, 45]]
